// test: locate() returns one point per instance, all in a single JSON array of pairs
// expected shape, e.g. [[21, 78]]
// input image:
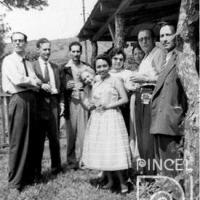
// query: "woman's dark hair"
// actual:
[[117, 51], [136, 46], [103, 57]]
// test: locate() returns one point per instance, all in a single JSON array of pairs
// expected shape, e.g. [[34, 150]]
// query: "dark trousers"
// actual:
[[48, 125], [168, 154], [125, 109], [22, 118], [145, 139]]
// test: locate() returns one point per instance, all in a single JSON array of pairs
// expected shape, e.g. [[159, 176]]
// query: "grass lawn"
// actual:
[[70, 185]]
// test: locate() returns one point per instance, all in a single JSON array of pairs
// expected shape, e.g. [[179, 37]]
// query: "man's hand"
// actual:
[[138, 78], [46, 87], [62, 108], [70, 84], [38, 82]]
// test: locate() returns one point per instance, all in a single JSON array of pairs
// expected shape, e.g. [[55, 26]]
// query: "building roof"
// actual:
[[137, 14]]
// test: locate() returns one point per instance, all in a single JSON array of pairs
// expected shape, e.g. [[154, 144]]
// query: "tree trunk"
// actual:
[[94, 52], [190, 80], [119, 31]]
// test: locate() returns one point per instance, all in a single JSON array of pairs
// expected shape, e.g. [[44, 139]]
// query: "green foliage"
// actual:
[[4, 28], [25, 4]]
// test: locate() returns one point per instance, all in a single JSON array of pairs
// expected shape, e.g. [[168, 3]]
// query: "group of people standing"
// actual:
[[113, 115]]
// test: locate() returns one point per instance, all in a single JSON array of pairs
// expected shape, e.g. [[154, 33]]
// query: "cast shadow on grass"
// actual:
[[47, 175]]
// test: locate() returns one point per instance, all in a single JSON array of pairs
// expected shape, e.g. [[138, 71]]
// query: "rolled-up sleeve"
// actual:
[[11, 72]]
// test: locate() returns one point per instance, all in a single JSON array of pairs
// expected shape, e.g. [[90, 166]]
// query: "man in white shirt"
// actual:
[[47, 106], [146, 76], [153, 59], [19, 80]]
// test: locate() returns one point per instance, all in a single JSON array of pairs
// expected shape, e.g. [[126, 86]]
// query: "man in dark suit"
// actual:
[[168, 107], [47, 106]]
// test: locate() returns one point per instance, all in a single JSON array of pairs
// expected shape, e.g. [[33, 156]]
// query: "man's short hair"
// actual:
[[168, 23], [42, 41], [18, 32], [75, 43], [149, 30]]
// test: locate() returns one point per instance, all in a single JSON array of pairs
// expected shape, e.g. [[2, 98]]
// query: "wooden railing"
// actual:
[[4, 119]]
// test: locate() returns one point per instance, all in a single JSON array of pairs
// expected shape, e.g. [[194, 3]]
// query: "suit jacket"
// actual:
[[45, 101], [169, 103]]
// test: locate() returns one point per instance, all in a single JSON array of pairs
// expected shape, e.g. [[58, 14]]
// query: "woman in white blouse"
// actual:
[[118, 58]]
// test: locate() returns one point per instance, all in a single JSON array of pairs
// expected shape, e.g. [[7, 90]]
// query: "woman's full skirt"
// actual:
[[106, 145]]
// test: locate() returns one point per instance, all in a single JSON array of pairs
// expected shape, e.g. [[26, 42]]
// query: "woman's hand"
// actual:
[[91, 107], [101, 108]]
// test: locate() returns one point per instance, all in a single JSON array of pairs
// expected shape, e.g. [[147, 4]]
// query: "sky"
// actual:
[[61, 19]]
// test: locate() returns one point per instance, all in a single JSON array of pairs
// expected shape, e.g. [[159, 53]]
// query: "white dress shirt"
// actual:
[[52, 82], [152, 63], [14, 77]]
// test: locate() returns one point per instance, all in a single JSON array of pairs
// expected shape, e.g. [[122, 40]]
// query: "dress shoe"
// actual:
[[108, 186], [124, 189]]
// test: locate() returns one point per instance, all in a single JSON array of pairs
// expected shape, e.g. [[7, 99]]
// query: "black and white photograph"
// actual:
[[99, 100]]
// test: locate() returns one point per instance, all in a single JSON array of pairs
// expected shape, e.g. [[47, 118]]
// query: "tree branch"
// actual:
[[24, 4]]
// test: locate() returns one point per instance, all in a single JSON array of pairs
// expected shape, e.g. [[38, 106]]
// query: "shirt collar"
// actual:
[[42, 61], [169, 54], [18, 57], [70, 63]]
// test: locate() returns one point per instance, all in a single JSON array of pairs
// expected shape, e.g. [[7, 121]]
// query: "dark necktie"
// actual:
[[46, 73], [25, 67]]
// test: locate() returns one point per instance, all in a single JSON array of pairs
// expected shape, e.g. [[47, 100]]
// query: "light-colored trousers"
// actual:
[[133, 135], [75, 131]]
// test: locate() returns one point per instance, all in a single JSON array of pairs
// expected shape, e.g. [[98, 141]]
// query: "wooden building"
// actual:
[[120, 20]]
